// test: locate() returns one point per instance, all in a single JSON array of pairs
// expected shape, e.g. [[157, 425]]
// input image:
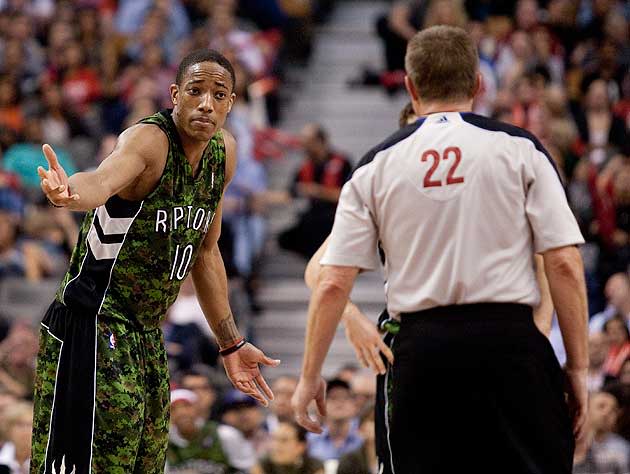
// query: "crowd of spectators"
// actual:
[[76, 73]]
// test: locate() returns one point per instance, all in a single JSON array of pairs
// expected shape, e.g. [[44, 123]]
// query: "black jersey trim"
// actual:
[[389, 142], [118, 207], [106, 238], [492, 125]]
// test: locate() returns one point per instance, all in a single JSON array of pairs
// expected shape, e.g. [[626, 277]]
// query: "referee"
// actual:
[[459, 205]]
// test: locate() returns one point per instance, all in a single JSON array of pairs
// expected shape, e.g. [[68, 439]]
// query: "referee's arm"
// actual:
[[555, 235]]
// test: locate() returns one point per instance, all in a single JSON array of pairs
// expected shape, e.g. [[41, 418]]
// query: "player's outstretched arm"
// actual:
[[324, 312], [360, 331], [210, 280], [136, 148]]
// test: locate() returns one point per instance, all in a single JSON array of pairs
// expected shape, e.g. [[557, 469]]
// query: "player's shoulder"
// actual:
[[392, 140], [492, 125], [145, 139]]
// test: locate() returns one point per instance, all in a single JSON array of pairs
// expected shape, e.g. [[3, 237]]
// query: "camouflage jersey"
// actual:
[[132, 256]]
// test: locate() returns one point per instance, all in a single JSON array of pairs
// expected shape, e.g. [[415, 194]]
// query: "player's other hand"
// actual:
[[577, 399], [243, 371], [307, 391], [54, 181], [367, 342]]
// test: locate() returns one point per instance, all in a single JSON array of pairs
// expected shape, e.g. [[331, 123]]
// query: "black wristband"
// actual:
[[234, 348]]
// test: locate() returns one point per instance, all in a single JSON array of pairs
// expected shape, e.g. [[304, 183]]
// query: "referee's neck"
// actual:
[[427, 108]]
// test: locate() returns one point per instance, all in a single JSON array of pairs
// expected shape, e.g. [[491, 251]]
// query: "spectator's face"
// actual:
[[8, 93], [21, 28], [53, 97], [247, 419], [73, 56], [624, 373], [13, 55], [33, 130], [283, 389], [184, 416], [152, 56], [597, 97], [616, 332], [314, 147], [59, 34], [521, 45], [340, 404], [597, 349], [285, 448], [204, 391], [603, 411], [617, 290], [526, 14], [20, 431], [364, 388], [203, 100]]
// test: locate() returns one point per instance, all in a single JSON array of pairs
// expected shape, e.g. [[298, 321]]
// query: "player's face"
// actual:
[[203, 100]]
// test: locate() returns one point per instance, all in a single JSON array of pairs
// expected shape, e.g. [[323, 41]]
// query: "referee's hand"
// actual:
[[307, 391], [577, 399], [367, 342]]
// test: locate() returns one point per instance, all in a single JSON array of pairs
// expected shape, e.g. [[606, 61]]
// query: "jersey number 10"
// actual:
[[181, 262], [450, 177]]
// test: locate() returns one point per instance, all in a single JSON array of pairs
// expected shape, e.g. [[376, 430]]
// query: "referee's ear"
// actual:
[[411, 89], [479, 86]]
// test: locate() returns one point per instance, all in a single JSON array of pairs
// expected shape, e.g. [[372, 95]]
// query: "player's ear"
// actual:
[[231, 103], [174, 93]]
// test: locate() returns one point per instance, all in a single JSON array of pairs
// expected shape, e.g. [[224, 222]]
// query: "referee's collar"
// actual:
[[441, 117]]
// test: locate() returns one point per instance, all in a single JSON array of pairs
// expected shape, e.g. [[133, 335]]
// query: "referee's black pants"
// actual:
[[474, 388]]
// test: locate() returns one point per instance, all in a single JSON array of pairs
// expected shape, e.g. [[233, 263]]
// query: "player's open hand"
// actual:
[[54, 181], [307, 391], [367, 342], [243, 371]]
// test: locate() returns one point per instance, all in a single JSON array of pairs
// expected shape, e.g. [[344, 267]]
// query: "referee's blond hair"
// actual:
[[442, 63]]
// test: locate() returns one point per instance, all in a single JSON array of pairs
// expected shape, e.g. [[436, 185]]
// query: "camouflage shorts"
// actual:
[[101, 397]]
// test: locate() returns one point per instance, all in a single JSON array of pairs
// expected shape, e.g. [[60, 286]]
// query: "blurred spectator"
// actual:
[[347, 372], [601, 450], [245, 414], [601, 132], [363, 386], [617, 292], [17, 360], [224, 35], [319, 179], [132, 14], [362, 460], [11, 114], [151, 66], [597, 350], [18, 257], [280, 407], [189, 339], [201, 381], [287, 453], [23, 158], [616, 331], [15, 454], [202, 447], [60, 125], [341, 434]]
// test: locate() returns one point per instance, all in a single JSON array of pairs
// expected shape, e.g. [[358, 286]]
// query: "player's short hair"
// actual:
[[203, 56], [442, 63]]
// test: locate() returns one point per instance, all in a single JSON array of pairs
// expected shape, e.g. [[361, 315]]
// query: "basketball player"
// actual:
[[154, 216], [460, 204]]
